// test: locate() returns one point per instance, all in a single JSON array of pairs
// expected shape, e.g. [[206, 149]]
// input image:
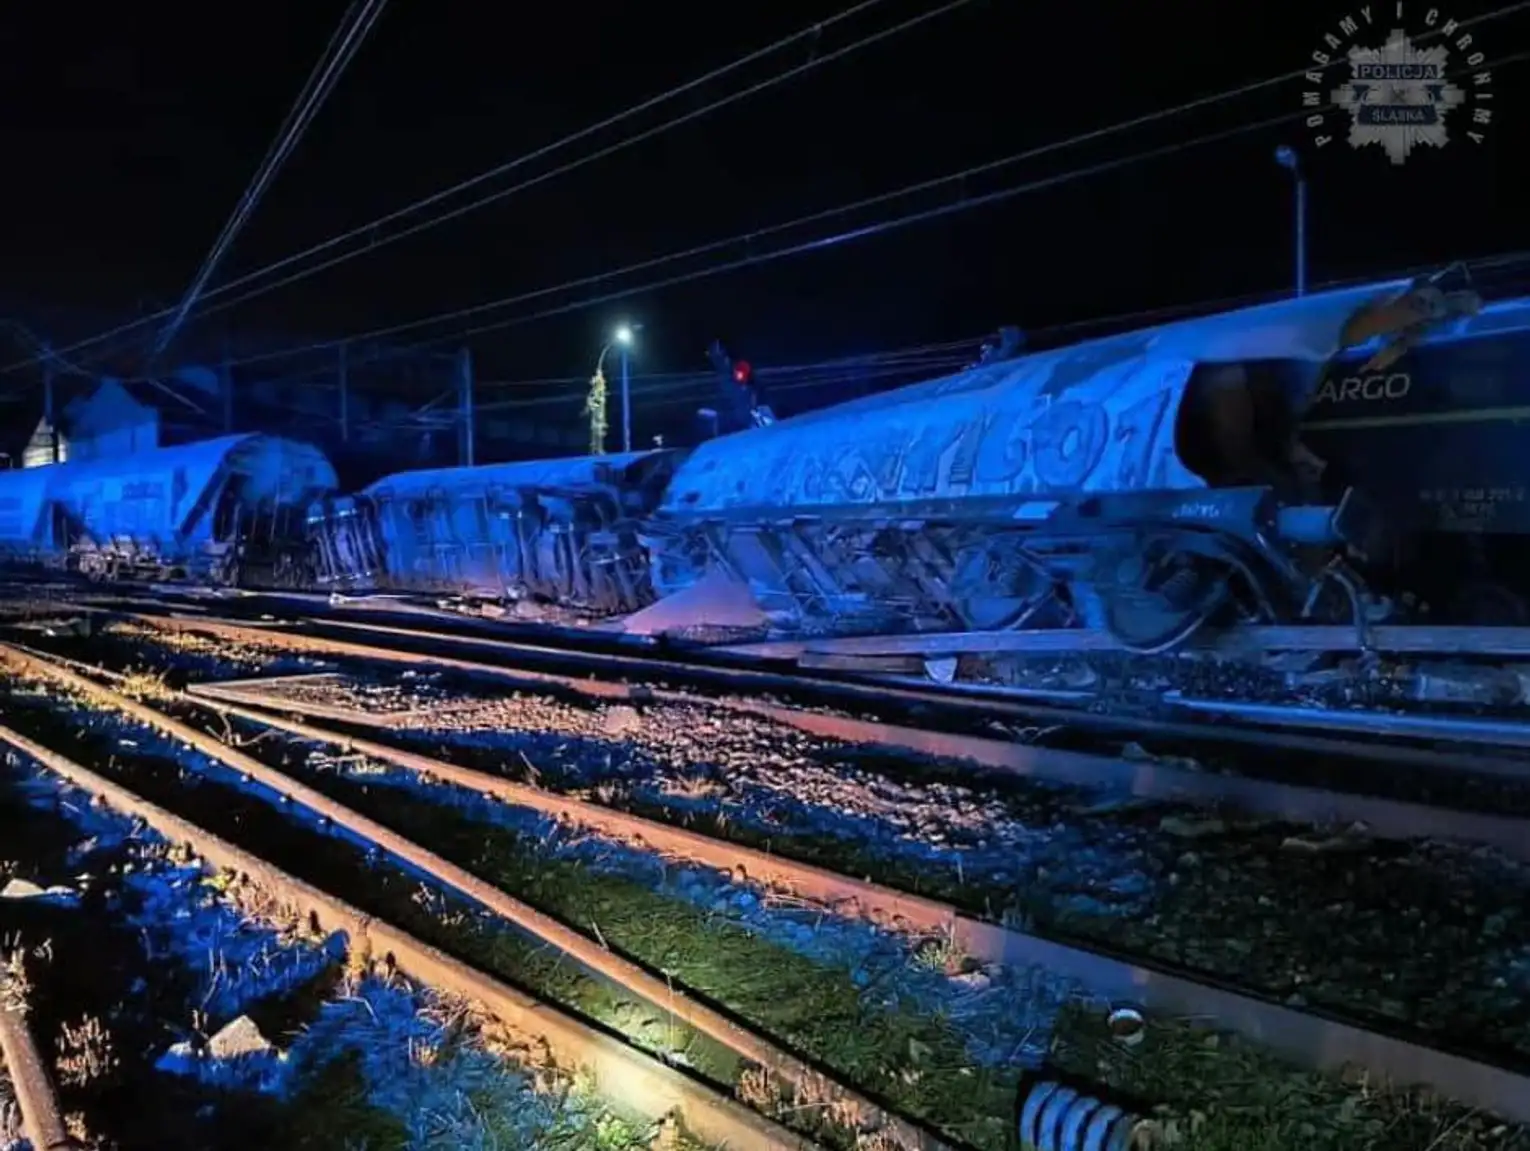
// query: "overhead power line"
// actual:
[[373, 242], [1029, 154], [706, 383], [917, 352], [338, 53], [367, 231], [927, 356], [877, 228], [753, 235], [819, 216]]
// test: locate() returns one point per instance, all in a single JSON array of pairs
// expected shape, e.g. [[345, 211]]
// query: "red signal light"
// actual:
[[742, 373]]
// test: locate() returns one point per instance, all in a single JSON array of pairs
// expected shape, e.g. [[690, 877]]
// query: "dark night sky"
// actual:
[[131, 129]]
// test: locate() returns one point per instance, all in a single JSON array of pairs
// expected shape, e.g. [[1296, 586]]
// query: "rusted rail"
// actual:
[[627, 1076], [40, 1119], [1305, 1037], [676, 1001], [1385, 818]]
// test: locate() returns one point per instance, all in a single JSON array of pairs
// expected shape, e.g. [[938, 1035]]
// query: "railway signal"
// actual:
[[741, 405]]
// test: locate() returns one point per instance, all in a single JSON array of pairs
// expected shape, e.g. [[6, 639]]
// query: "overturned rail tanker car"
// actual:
[[563, 531], [223, 511], [1144, 485]]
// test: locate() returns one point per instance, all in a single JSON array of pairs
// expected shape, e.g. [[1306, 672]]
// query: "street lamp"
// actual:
[[595, 405], [623, 337], [1287, 158]]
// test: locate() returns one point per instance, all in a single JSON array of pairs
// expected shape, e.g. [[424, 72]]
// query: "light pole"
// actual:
[[1288, 159], [624, 336], [595, 403]]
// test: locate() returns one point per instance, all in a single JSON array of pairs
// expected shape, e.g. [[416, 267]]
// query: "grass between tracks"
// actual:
[[1224, 1095], [343, 868], [918, 1061], [1218, 1092], [374, 1062], [1214, 1092], [86, 967], [1210, 1091]]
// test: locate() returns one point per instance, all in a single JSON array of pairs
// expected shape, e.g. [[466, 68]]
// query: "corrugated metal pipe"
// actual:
[[1056, 1117]]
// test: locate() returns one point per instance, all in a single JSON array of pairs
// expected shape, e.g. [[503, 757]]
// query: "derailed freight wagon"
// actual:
[[225, 511], [1441, 439], [564, 531], [1144, 483], [26, 519]]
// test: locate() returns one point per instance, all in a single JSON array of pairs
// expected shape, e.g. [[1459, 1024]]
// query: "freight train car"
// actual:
[[222, 511], [1145, 483], [563, 531], [26, 522], [1441, 439]]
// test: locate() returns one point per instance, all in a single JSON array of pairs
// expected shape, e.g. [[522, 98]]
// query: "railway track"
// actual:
[[1311, 1038], [637, 1082], [1173, 775], [25, 1083], [790, 671]]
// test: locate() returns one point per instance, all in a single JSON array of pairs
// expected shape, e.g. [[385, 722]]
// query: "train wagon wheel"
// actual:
[[994, 588], [1157, 596]]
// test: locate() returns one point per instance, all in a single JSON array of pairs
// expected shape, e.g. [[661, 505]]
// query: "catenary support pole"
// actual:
[[465, 386]]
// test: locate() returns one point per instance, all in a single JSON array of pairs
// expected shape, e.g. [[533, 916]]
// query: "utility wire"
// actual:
[[1113, 129], [680, 390], [867, 231], [918, 352], [922, 361], [754, 234], [373, 243], [926, 356], [367, 231], [338, 53], [1033, 153]]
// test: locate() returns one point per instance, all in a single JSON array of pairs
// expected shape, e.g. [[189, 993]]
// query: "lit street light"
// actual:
[[624, 336], [1287, 158], [595, 405]]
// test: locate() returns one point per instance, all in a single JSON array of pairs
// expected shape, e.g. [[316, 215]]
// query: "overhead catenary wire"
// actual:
[[820, 243], [918, 351], [878, 228], [343, 44], [890, 368], [966, 203], [1096, 134], [925, 356], [373, 242], [681, 389]]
